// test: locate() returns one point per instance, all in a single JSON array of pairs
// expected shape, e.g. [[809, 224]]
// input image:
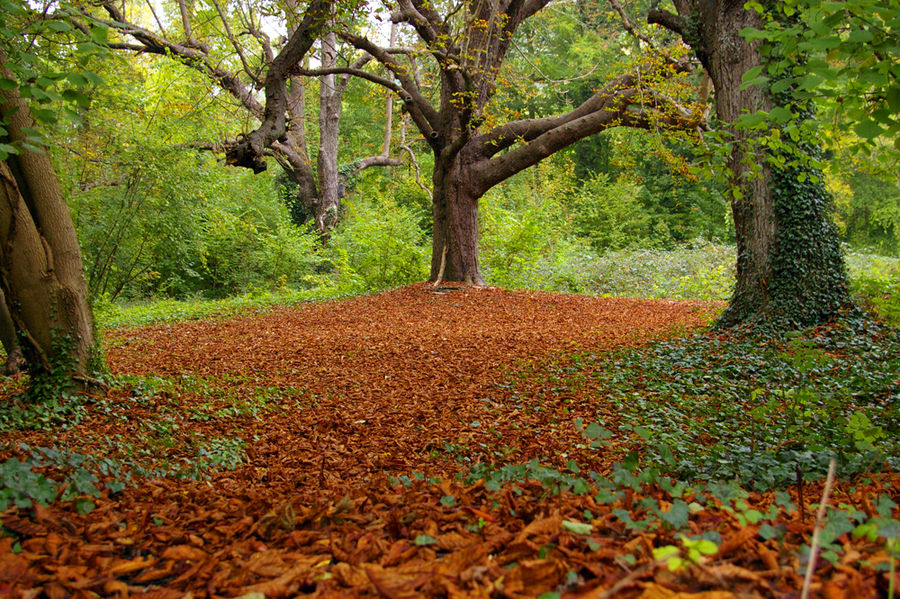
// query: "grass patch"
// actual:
[[112, 315]]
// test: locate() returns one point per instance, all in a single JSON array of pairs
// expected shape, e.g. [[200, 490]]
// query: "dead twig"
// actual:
[[820, 516]]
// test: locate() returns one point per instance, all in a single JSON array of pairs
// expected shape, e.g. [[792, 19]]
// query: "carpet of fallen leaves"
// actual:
[[374, 388]]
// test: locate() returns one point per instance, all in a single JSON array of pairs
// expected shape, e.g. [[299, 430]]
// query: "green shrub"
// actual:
[[610, 215], [875, 281], [377, 245]]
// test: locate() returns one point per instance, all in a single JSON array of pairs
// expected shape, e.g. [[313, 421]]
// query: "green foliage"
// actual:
[[611, 215], [48, 474], [377, 245], [33, 43], [702, 271], [648, 196], [42, 407], [760, 409], [868, 208], [181, 225], [849, 52], [875, 282]]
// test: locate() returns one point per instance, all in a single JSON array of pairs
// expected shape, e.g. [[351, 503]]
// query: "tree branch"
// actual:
[[617, 108], [193, 57], [248, 153], [234, 43], [669, 20], [626, 23], [420, 109]]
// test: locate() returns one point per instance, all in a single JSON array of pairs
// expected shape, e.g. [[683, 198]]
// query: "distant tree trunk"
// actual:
[[789, 264], [41, 270], [331, 94]]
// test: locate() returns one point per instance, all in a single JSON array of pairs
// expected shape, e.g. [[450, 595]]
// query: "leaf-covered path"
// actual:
[[355, 417]]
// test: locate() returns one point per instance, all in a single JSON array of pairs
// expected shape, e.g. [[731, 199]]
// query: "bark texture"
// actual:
[[787, 266], [41, 270]]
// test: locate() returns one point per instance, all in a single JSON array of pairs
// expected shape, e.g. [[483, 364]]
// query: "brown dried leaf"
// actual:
[[184, 553]]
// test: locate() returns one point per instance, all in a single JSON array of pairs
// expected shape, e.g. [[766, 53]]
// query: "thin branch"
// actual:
[[626, 22], [237, 47], [185, 20], [156, 17]]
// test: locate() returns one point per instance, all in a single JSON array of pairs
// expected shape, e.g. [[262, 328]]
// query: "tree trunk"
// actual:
[[454, 255], [330, 95], [790, 269], [752, 205], [41, 270]]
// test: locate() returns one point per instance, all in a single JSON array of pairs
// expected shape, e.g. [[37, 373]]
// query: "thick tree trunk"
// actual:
[[789, 268], [41, 270], [752, 204], [454, 255]]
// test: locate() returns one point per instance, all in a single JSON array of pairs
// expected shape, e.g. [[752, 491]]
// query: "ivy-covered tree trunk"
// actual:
[[41, 271], [790, 269]]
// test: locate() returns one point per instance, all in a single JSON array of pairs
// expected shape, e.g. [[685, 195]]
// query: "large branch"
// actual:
[[619, 109], [372, 161], [669, 20], [526, 130], [249, 152], [420, 109]]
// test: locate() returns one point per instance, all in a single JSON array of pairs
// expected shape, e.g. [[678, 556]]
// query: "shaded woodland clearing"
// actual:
[[336, 403]]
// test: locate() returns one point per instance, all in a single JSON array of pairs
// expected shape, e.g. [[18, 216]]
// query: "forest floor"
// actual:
[[333, 449]]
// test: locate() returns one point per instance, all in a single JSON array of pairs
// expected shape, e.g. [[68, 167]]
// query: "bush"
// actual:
[[875, 281], [703, 270], [377, 245], [610, 215]]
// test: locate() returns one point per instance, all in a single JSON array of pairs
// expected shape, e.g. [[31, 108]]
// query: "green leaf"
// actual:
[[77, 79], [595, 431], [868, 129], [423, 540], [61, 26], [579, 528], [860, 36], [94, 78], [705, 546], [8, 83], [752, 73], [677, 516]]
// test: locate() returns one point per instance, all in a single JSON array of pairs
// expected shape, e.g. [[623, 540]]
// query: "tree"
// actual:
[[260, 65], [790, 267], [468, 44], [41, 273]]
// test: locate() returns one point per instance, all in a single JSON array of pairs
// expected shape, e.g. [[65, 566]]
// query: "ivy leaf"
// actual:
[[677, 516], [595, 431]]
